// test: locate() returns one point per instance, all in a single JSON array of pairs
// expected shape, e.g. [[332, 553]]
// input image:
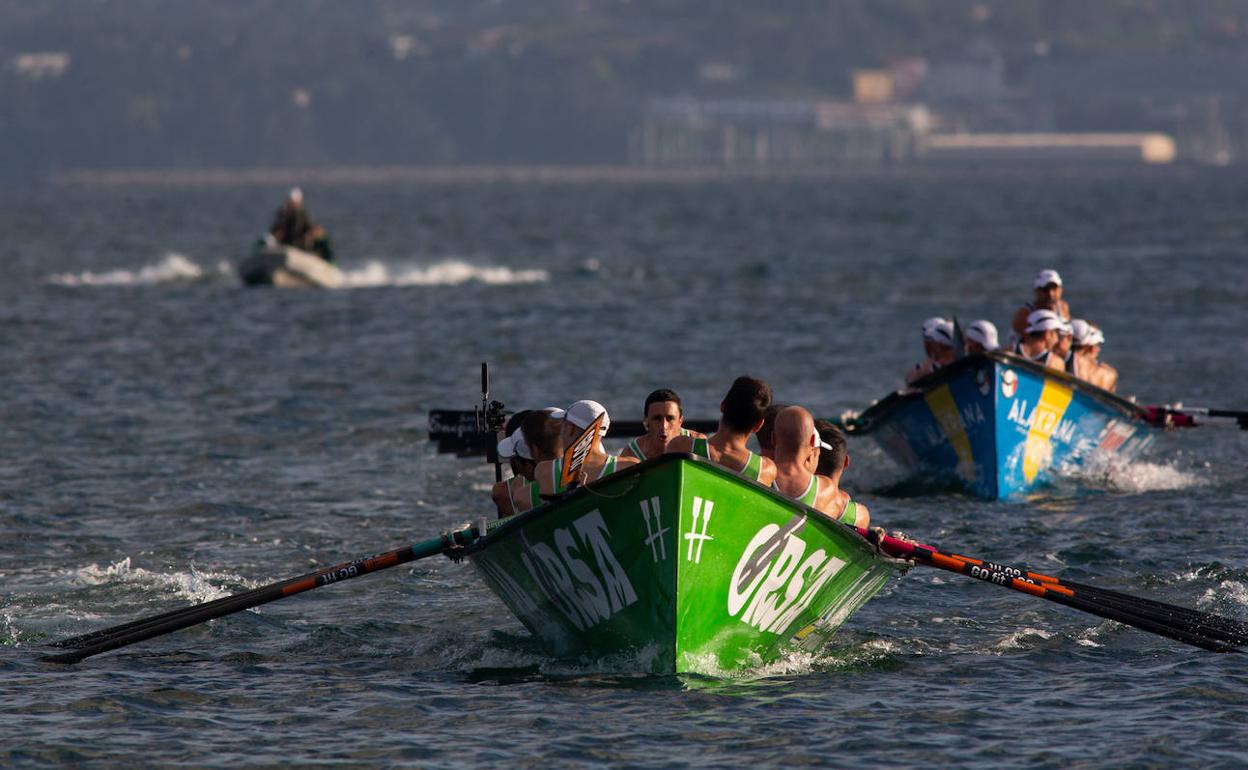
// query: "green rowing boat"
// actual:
[[681, 565]]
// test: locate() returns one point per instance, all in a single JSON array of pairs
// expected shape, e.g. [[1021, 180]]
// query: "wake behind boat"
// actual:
[[273, 264], [681, 565], [999, 426]]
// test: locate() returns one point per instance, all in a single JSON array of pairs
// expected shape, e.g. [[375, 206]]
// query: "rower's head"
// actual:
[[294, 198], [745, 404], [1042, 325], [514, 448], [981, 337], [834, 457], [1065, 338], [1086, 337], [767, 433], [938, 339], [580, 416], [544, 434], [1048, 288], [797, 442], [663, 415]]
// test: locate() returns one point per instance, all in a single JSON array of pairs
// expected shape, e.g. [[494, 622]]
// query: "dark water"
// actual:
[[167, 436]]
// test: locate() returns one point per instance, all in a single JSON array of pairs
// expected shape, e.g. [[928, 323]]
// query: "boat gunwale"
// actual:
[[878, 412], [501, 527]]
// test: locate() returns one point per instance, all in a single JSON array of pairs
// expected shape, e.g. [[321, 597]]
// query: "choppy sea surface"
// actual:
[[168, 436]]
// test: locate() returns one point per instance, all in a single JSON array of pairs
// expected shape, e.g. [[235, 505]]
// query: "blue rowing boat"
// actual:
[[999, 426]]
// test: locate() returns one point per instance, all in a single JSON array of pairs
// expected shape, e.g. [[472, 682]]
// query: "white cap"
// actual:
[[515, 445], [1085, 333], [985, 333], [939, 330], [583, 413], [1046, 277], [296, 195], [1066, 329], [1042, 321]]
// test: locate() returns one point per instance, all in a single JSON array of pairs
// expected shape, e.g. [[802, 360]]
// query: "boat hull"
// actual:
[[998, 426], [678, 565], [287, 267]]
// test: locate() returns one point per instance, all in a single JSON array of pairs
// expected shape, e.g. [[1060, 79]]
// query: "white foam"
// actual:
[[447, 273], [194, 585], [1136, 476], [173, 268]]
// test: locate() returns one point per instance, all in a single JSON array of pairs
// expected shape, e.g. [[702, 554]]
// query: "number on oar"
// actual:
[[95, 642], [1200, 629]]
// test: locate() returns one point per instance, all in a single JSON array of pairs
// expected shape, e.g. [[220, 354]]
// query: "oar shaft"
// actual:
[[1205, 630], [107, 639]]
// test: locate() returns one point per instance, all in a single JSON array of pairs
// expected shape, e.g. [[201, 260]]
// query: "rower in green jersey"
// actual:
[[537, 439], [799, 448], [663, 418], [741, 414], [597, 463]]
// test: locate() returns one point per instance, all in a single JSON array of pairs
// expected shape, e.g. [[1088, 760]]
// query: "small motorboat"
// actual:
[[275, 264]]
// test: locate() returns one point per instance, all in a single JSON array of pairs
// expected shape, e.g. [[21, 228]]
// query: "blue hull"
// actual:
[[998, 426]]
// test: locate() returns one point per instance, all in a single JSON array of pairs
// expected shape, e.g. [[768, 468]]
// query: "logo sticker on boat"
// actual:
[[1009, 383], [585, 595], [984, 380], [775, 579]]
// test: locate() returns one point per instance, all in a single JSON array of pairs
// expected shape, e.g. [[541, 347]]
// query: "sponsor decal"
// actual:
[[701, 508], [775, 579], [1009, 383], [585, 594], [654, 535], [1043, 420], [1115, 435], [574, 456], [983, 379]]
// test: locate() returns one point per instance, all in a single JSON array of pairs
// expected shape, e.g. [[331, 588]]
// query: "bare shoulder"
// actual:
[[681, 444], [627, 453], [542, 474], [693, 434]]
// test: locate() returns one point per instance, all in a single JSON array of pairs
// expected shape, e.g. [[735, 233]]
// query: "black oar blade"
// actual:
[[103, 640]]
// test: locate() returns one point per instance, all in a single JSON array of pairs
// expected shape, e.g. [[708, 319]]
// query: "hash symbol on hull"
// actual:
[[654, 535], [701, 508]]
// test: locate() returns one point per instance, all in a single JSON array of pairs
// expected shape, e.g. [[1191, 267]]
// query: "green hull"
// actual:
[[682, 566]]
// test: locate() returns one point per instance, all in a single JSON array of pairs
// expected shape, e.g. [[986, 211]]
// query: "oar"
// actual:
[[1200, 629], [1185, 416], [95, 642]]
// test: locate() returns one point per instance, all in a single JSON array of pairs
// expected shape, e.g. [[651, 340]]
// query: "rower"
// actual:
[[981, 337], [663, 420], [1039, 338], [1086, 357], [833, 462], [1047, 288], [513, 449], [538, 439], [597, 463], [766, 435], [742, 411], [1062, 348], [938, 344], [798, 450]]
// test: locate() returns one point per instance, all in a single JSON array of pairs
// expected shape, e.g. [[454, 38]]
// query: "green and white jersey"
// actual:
[[635, 448], [753, 469]]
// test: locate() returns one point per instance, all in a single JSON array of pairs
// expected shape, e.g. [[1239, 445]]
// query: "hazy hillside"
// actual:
[[190, 83]]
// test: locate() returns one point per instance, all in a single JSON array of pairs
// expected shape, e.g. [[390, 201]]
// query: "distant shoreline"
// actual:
[[438, 175]]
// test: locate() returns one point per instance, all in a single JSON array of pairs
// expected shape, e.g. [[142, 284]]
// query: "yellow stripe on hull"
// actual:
[[1038, 451], [945, 410]]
